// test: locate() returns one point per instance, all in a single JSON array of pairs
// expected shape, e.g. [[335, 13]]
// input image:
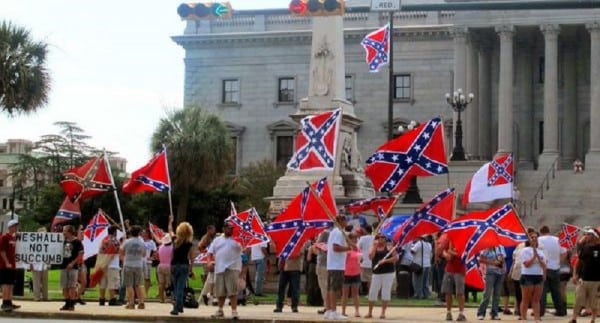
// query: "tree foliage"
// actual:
[[255, 182], [24, 80], [199, 150]]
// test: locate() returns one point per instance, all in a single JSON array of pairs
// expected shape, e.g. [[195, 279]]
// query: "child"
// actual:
[[352, 277]]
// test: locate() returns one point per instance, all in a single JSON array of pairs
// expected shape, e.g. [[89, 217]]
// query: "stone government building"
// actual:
[[535, 75]]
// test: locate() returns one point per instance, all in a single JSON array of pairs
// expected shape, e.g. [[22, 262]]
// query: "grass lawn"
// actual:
[[54, 292]]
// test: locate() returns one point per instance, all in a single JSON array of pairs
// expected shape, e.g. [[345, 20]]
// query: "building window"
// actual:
[[5, 204], [541, 68], [349, 88], [402, 87], [285, 149], [231, 91], [286, 89]]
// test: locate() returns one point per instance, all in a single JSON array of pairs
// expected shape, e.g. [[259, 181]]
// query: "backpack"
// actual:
[[189, 300]]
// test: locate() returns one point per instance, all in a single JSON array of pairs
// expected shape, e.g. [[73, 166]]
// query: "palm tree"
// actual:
[[199, 150], [24, 80]]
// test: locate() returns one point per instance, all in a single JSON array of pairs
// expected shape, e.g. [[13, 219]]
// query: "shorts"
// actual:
[[335, 280], [8, 276], [586, 294], [146, 267], [453, 284], [531, 280], [352, 280], [164, 275], [133, 276], [366, 274], [68, 278], [565, 277], [111, 279], [226, 283]]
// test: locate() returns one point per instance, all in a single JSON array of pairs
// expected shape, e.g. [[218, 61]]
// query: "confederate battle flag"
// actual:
[[152, 177], [88, 180]]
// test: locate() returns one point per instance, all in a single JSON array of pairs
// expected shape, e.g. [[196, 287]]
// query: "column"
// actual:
[[472, 111], [525, 82], [460, 68], [505, 89], [485, 100], [569, 126], [592, 159], [550, 151]]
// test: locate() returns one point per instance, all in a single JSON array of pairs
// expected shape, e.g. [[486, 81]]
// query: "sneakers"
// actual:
[[496, 318], [327, 315], [480, 317], [338, 317], [218, 314], [234, 315], [461, 317], [277, 310], [6, 308], [448, 316]]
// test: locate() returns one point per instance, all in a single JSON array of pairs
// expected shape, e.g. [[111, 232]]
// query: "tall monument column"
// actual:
[[569, 127], [505, 89], [525, 82], [592, 159], [550, 151], [472, 111], [460, 68], [484, 101], [326, 92]]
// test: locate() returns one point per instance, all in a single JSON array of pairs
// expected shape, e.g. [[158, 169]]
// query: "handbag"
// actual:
[[415, 268]]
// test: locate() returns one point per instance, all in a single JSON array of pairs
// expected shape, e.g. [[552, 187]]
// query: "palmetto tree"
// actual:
[[199, 149], [24, 80]]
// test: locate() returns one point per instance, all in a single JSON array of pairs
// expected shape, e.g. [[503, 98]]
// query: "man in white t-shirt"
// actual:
[[364, 244], [258, 254], [553, 252], [227, 256], [337, 246]]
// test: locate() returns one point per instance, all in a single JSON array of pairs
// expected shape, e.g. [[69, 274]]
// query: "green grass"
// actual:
[[54, 292]]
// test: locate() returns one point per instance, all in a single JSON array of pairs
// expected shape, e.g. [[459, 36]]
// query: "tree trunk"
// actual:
[[182, 205]]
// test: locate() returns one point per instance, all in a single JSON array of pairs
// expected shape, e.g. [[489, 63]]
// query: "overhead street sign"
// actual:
[[385, 5]]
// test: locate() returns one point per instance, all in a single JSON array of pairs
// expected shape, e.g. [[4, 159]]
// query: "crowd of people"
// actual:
[[347, 260]]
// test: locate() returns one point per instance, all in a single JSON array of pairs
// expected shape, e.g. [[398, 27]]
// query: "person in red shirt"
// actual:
[[8, 244], [453, 282]]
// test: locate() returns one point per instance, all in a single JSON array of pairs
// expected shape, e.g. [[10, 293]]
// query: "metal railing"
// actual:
[[527, 208]]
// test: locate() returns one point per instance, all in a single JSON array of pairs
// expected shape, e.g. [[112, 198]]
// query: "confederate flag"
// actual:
[[429, 219], [152, 177], [69, 211], [377, 46], [568, 236], [380, 205], [316, 143], [89, 180], [474, 275], [248, 229], [419, 152], [477, 231], [157, 233], [302, 220]]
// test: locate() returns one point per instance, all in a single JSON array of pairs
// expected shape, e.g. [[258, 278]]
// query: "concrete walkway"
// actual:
[[157, 312]]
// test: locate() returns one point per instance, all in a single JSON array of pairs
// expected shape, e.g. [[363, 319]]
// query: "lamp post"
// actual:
[[412, 195], [458, 102]]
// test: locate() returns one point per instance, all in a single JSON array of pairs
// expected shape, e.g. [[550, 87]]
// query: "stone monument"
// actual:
[[326, 92]]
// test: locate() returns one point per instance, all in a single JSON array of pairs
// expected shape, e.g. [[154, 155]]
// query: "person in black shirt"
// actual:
[[383, 259], [72, 256], [587, 275]]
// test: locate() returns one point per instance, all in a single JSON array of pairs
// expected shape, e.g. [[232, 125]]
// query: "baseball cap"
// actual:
[[590, 230], [12, 222]]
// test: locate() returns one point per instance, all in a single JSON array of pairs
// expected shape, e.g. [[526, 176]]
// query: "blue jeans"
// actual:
[[260, 276], [493, 282], [552, 285], [179, 274], [293, 279], [421, 283]]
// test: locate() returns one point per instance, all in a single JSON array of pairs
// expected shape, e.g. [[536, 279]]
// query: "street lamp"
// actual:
[[458, 101], [412, 195]]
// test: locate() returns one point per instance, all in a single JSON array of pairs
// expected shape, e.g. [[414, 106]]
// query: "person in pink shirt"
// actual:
[[352, 277], [165, 254]]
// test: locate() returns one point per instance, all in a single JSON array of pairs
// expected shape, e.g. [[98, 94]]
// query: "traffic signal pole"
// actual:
[[391, 78]]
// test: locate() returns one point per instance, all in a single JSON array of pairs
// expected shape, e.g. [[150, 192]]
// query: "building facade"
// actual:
[[534, 74]]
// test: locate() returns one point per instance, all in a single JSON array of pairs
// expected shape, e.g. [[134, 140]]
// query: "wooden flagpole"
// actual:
[[387, 255], [388, 213], [169, 179], [112, 181], [328, 212]]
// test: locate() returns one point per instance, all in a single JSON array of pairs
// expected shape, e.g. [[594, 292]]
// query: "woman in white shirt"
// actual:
[[533, 269]]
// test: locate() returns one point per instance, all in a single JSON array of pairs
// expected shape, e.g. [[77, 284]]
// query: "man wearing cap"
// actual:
[[337, 247], [108, 256], [586, 275], [225, 255], [8, 243]]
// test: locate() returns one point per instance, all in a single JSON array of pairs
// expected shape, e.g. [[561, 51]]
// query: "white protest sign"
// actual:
[[40, 247]]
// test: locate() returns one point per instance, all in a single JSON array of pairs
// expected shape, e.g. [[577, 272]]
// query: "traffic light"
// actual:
[[205, 11], [317, 7]]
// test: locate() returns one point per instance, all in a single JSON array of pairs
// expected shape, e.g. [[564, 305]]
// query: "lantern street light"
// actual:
[[458, 101]]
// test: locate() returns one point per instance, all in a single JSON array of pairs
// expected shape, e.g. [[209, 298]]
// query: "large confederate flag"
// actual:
[[90, 179]]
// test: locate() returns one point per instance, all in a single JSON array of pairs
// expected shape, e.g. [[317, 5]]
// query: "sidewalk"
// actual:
[[250, 313]]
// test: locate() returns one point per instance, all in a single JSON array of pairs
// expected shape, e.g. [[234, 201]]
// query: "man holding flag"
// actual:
[[337, 247]]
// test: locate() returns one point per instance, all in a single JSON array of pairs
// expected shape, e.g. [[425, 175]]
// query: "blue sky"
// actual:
[[114, 69]]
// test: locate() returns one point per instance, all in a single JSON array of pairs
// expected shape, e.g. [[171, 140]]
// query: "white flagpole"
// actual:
[[112, 181], [169, 179]]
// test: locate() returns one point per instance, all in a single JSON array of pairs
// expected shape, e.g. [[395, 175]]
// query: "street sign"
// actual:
[[385, 5]]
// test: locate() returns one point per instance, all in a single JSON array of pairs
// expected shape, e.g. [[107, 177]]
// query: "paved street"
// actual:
[[252, 313]]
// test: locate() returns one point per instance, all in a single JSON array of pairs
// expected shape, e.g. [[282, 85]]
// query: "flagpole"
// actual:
[[328, 212], [112, 181], [388, 254], [444, 139], [391, 77], [387, 215], [169, 179]]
